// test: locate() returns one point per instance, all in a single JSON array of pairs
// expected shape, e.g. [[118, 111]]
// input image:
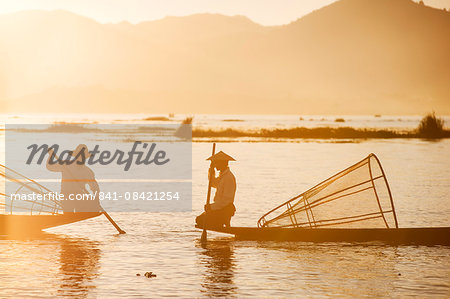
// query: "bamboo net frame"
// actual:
[[357, 197], [22, 185]]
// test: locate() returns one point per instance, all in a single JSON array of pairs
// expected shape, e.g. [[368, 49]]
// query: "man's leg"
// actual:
[[228, 212]]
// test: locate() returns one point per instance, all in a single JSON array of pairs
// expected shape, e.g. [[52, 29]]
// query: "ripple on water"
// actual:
[[90, 259]]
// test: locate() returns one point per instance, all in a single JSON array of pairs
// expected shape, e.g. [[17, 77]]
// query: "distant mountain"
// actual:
[[351, 57], [190, 28]]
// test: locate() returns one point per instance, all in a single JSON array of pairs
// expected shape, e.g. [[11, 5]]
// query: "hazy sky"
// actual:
[[266, 12]]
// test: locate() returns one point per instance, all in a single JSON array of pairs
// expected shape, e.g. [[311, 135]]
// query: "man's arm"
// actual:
[[212, 178], [226, 196], [90, 180], [93, 185]]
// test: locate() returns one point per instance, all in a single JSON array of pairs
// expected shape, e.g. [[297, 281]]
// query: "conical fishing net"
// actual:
[[357, 197], [12, 182]]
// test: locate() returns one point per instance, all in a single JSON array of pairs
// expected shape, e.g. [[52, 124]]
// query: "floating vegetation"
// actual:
[[152, 128], [59, 128], [339, 120], [310, 133], [67, 127], [431, 127], [184, 131], [188, 120], [157, 118]]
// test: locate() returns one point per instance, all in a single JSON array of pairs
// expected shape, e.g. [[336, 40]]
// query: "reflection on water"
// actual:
[[217, 258], [98, 263], [371, 270], [41, 257], [339, 269], [79, 260], [55, 265]]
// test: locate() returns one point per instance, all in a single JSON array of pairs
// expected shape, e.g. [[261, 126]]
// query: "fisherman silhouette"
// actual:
[[219, 213], [76, 179]]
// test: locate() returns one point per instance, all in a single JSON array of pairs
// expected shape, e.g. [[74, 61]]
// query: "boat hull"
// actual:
[[23, 224], [419, 236]]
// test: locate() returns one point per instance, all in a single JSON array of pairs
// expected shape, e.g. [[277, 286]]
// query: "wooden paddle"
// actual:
[[87, 188], [113, 222], [208, 196]]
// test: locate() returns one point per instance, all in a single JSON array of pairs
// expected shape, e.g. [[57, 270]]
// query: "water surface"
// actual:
[[89, 259]]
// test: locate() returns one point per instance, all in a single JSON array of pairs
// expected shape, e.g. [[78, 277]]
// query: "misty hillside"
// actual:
[[351, 57]]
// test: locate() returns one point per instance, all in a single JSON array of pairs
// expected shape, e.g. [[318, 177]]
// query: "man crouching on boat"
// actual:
[[76, 179], [219, 213]]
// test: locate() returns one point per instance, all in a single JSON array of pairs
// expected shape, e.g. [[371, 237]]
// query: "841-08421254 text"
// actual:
[[141, 195]]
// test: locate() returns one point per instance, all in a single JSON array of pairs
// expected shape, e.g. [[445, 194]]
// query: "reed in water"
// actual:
[[430, 127]]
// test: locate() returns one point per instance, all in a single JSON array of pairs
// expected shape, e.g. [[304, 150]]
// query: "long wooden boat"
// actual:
[[28, 216], [31, 216], [395, 236], [354, 205], [23, 224]]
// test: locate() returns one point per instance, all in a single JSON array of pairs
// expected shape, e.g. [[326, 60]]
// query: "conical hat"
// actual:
[[220, 156]]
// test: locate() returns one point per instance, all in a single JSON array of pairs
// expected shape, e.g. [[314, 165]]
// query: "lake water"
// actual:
[[89, 259]]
